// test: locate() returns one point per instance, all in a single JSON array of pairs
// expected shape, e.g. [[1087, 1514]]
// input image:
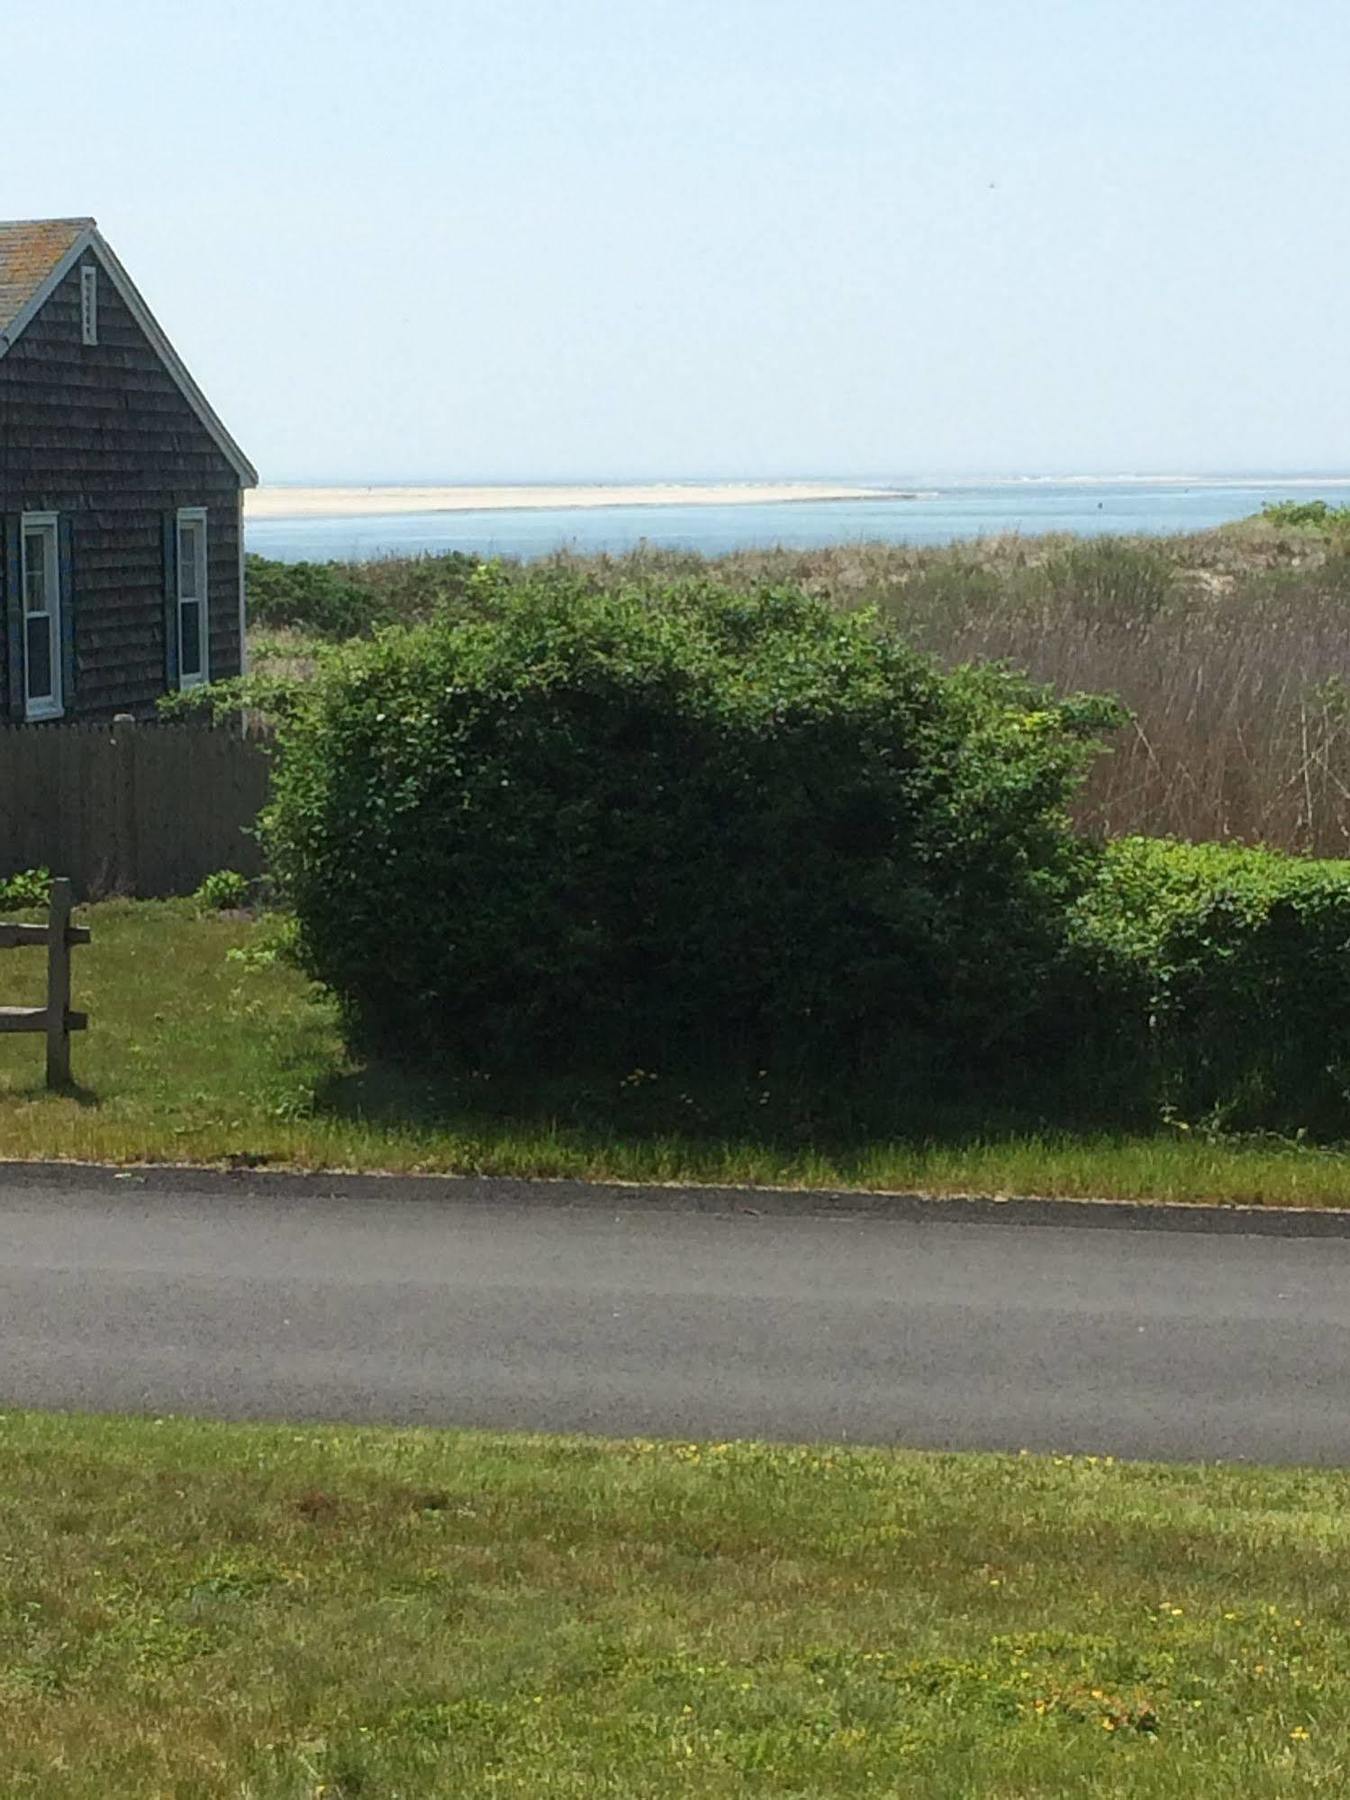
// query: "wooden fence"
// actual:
[[148, 809], [54, 1020]]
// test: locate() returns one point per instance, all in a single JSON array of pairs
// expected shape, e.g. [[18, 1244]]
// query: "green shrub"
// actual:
[[265, 696], [311, 597], [26, 889], [410, 589], [1315, 513], [225, 890], [344, 600], [1220, 978], [321, 598], [674, 827]]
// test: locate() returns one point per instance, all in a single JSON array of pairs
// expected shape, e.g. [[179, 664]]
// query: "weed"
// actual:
[[224, 891]]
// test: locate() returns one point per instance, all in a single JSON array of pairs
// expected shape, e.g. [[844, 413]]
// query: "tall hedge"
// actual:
[[668, 827], [1221, 976]]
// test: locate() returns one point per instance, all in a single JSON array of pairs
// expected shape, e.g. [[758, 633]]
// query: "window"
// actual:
[[192, 620], [41, 577], [89, 304]]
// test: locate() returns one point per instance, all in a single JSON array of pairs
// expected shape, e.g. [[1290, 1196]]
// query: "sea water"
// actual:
[[937, 514]]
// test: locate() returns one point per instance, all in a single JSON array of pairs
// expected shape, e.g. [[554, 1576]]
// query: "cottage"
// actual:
[[121, 493]]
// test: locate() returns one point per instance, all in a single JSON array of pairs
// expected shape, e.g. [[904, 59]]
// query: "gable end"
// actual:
[[91, 241]]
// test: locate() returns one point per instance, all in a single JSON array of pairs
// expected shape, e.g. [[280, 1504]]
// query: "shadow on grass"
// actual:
[[780, 1117], [37, 1089]]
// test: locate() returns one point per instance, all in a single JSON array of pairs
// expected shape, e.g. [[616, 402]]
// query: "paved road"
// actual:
[[240, 1300]]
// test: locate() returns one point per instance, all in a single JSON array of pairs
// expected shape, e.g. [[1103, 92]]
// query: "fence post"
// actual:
[[126, 849], [58, 984]]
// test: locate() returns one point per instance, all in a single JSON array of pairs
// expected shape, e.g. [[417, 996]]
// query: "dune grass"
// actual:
[[282, 1613], [202, 1048], [1230, 647]]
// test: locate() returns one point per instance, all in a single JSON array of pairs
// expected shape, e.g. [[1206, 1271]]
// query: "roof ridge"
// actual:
[[72, 219]]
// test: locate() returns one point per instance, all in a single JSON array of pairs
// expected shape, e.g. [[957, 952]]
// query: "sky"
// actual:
[[518, 240]]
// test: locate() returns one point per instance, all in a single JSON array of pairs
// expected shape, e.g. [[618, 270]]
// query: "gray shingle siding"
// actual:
[[102, 434]]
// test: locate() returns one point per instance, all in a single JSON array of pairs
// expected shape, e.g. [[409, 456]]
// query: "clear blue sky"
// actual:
[[602, 238]]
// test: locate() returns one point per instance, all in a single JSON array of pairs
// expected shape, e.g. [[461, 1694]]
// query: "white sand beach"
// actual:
[[364, 502]]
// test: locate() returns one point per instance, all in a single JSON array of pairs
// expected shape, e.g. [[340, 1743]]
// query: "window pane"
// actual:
[[39, 647], [191, 615], [188, 544], [35, 570]]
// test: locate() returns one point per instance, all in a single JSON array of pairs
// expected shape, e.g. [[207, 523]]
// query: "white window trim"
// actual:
[[49, 706], [190, 515], [89, 303]]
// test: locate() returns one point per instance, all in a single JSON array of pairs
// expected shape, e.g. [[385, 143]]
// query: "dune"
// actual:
[[363, 502]]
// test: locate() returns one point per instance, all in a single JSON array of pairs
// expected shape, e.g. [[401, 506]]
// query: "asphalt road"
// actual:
[[623, 1316]]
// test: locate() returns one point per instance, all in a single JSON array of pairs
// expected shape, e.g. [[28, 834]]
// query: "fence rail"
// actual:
[[145, 809], [55, 1020]]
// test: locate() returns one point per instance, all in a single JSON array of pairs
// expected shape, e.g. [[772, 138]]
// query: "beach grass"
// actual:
[[288, 1613], [1231, 648], [204, 1047]]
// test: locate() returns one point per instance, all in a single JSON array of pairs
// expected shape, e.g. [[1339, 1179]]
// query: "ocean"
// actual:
[[924, 514]]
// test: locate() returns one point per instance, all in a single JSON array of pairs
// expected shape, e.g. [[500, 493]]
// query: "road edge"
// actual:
[[759, 1202]]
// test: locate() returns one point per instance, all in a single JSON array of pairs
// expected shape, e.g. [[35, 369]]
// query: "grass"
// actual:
[[1230, 647], [202, 1048], [283, 1613]]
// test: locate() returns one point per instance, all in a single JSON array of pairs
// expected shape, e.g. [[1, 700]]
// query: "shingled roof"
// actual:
[[30, 249], [35, 254]]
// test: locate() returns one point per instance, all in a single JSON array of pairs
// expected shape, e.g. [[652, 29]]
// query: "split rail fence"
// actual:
[[54, 1020], [145, 809]]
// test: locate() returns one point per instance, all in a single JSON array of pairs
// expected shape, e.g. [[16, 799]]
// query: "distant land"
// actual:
[[317, 521], [376, 501]]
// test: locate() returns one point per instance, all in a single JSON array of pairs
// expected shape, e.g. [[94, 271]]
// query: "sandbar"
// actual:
[[365, 502]]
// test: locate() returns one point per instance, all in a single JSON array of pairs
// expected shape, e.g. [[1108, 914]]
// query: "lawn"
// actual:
[[203, 1048], [214, 1610]]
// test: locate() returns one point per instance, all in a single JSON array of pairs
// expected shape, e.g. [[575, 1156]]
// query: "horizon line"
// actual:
[[962, 476]]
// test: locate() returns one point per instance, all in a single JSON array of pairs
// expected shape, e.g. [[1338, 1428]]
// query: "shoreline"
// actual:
[[375, 502]]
